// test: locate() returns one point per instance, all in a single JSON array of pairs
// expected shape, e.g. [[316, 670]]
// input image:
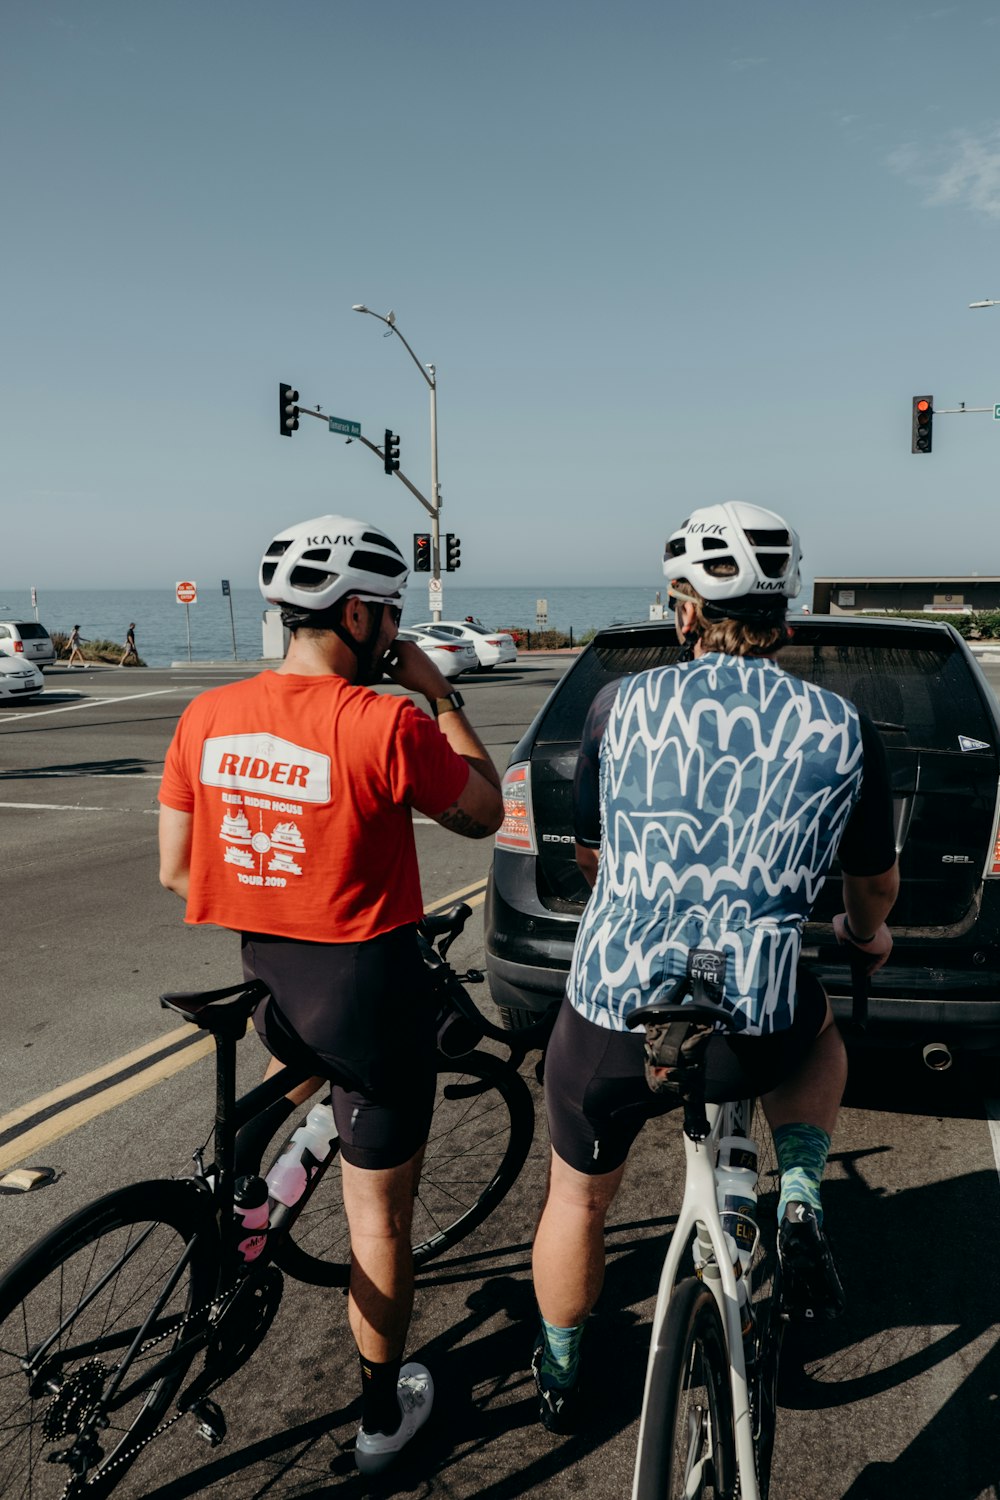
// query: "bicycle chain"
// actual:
[[217, 1308]]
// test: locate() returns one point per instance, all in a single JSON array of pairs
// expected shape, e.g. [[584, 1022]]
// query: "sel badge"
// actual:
[[964, 743]]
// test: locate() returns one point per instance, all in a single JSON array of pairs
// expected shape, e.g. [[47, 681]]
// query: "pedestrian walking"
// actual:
[[130, 651], [73, 647]]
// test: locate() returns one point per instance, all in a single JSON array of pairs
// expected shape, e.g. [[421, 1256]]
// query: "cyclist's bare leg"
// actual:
[[303, 1092], [379, 1206], [568, 1254], [812, 1095]]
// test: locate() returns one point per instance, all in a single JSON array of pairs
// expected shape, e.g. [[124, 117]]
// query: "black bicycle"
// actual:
[[129, 1314]]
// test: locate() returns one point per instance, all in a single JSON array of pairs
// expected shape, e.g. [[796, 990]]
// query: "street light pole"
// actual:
[[429, 373], [987, 302]]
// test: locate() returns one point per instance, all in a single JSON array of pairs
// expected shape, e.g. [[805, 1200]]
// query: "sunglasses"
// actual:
[[395, 614]]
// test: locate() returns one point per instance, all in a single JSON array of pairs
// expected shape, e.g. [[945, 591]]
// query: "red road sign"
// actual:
[[187, 593]]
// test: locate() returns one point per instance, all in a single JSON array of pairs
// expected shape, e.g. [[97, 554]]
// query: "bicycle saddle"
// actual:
[[218, 1011]]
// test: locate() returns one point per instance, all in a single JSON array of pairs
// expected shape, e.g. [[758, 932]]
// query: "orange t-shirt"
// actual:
[[301, 790]]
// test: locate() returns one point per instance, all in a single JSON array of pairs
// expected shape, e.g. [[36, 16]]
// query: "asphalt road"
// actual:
[[898, 1399]]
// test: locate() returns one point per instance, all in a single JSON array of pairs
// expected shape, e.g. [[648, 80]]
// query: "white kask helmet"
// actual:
[[736, 552], [314, 564]]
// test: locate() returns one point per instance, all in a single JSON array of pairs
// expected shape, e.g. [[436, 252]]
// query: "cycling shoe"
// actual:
[[810, 1286], [558, 1407]]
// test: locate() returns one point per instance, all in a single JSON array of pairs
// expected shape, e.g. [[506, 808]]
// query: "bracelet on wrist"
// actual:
[[852, 937]]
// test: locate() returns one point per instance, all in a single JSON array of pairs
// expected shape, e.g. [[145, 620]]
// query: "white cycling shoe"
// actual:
[[375, 1451]]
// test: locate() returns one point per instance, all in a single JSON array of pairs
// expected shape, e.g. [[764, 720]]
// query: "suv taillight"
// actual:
[[18, 645], [518, 828]]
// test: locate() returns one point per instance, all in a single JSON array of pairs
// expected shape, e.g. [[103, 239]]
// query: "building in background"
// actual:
[[849, 596]]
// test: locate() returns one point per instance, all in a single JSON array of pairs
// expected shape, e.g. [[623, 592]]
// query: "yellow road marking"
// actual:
[[88, 1109], [76, 1085]]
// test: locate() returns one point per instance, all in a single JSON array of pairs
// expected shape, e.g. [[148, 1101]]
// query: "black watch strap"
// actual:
[[452, 703]]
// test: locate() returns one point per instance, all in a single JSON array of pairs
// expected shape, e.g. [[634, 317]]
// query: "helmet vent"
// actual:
[[318, 554], [310, 578], [714, 543], [773, 564], [374, 562], [375, 538], [267, 572], [769, 538], [277, 548]]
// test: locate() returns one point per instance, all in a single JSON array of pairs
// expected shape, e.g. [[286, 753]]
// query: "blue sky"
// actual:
[[661, 254]]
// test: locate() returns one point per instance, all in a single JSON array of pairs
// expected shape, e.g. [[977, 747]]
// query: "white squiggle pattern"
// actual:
[[725, 787]]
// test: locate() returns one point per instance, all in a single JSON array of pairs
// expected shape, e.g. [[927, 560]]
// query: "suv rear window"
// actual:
[[921, 694], [918, 691], [607, 660], [29, 630]]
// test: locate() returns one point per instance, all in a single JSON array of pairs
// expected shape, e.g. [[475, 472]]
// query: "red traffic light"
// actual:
[[923, 424]]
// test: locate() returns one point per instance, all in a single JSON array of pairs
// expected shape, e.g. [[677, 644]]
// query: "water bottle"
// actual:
[[250, 1213], [302, 1153], [736, 1189]]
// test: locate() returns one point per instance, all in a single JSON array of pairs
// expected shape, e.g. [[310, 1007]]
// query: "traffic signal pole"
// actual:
[[429, 374], [305, 411]]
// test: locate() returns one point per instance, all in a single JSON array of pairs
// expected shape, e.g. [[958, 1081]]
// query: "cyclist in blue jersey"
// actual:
[[710, 799]]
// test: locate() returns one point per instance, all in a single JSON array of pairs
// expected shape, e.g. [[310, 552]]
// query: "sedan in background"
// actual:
[[492, 647], [452, 656], [19, 678]]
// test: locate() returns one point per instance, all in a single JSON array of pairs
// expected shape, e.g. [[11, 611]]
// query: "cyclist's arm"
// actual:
[[868, 858], [478, 810], [175, 849]]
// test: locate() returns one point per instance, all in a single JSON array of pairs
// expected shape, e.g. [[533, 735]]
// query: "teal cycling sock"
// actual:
[[802, 1152], [560, 1361]]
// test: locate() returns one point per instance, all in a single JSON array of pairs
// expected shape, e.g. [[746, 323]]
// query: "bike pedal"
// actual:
[[211, 1421]]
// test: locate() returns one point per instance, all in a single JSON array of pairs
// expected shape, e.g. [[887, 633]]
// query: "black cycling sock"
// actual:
[[255, 1136], [380, 1410]]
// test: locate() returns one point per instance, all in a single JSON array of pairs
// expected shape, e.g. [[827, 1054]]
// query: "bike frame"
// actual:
[[699, 1213]]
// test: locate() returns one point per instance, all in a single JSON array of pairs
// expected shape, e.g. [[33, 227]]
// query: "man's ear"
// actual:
[[354, 618]]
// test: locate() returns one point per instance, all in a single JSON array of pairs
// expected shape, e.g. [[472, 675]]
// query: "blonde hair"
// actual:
[[733, 637]]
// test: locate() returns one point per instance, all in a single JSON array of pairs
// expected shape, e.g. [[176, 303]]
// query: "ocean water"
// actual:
[[161, 626]]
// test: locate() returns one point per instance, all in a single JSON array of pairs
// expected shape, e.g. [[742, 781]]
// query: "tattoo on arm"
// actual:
[[458, 821]]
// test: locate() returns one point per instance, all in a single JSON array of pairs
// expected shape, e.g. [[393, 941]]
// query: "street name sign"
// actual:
[[996, 413], [341, 424]]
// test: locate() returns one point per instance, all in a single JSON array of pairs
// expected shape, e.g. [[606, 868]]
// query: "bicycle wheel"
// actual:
[[688, 1448], [71, 1383], [765, 1298], [479, 1140]]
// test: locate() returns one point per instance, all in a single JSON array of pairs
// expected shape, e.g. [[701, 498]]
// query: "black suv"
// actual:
[[940, 724]]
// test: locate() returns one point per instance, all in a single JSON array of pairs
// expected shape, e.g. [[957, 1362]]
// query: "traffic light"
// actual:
[[288, 410], [391, 451], [421, 552], [452, 553], [923, 424]]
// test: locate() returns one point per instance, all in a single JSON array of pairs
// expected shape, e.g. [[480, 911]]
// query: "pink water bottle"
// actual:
[[251, 1216]]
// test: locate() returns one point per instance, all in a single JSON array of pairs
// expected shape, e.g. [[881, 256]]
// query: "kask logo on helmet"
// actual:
[[329, 541], [704, 528]]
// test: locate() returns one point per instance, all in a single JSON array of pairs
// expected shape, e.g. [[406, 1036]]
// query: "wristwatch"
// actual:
[[451, 704]]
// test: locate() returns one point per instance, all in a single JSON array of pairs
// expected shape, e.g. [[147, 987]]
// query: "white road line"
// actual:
[[94, 775], [68, 708], [57, 807], [993, 1120]]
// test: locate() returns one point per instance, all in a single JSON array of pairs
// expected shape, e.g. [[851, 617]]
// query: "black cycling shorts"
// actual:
[[596, 1094], [360, 1014]]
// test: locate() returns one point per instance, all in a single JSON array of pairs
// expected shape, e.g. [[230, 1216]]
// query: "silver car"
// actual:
[[28, 640], [19, 678], [452, 656], [493, 647]]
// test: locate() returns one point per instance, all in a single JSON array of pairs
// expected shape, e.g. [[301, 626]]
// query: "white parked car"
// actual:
[[451, 655], [28, 641], [491, 646], [19, 678]]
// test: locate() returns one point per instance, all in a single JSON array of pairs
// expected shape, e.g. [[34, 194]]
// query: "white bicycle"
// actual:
[[708, 1411]]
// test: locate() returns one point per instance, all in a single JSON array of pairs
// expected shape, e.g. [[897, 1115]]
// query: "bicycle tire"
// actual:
[[688, 1443], [480, 1136], [765, 1298], [66, 1289]]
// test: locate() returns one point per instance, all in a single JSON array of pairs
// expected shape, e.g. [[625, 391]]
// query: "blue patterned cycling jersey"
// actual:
[[725, 786]]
